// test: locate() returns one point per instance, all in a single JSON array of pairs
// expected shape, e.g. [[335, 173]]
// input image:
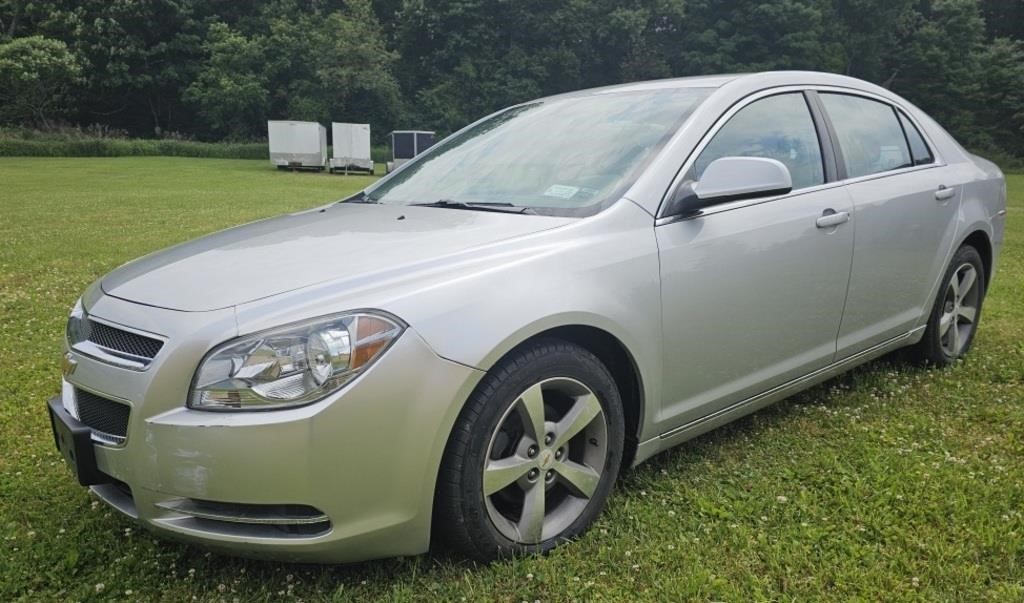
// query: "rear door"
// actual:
[[753, 291], [905, 208]]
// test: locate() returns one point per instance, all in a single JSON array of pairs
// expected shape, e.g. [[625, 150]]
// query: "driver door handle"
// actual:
[[831, 217]]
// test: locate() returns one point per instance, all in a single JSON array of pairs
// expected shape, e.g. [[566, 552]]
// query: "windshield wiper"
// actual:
[[507, 208]]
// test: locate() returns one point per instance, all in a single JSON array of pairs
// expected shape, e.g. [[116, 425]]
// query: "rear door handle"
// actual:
[[831, 217], [944, 193]]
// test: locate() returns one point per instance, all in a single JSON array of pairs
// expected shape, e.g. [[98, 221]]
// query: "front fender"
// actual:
[[601, 272]]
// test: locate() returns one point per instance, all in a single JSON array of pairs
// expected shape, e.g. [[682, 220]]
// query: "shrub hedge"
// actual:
[[19, 142], [118, 147]]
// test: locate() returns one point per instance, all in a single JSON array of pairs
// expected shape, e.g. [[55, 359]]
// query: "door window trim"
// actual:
[[825, 124], [937, 161], [722, 120], [810, 93]]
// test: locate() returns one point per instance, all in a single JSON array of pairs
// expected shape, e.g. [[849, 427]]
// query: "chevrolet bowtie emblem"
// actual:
[[68, 365]]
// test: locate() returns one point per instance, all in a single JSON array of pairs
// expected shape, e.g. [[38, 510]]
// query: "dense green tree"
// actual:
[[724, 36], [937, 66], [867, 36], [138, 57], [1004, 18], [219, 68], [298, 61], [35, 74], [998, 99], [231, 89]]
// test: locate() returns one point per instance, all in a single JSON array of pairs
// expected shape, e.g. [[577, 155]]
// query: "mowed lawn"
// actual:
[[892, 483]]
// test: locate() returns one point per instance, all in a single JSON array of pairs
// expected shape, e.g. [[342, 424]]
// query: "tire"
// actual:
[[495, 429], [941, 346]]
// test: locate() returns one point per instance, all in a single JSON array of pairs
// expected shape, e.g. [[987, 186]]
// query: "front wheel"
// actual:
[[533, 455], [954, 318]]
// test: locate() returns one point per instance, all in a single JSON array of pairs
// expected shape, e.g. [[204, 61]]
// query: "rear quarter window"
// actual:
[[919, 151]]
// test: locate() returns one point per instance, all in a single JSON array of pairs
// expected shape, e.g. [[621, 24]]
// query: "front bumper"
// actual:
[[364, 461]]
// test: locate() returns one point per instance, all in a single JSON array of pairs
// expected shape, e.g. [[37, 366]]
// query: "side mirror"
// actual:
[[731, 179]]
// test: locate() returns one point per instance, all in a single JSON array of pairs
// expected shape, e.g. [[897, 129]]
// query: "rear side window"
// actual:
[[919, 150], [777, 127], [869, 133]]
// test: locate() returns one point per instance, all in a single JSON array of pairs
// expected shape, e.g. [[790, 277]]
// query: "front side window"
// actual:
[[777, 127], [919, 150], [568, 156], [870, 135]]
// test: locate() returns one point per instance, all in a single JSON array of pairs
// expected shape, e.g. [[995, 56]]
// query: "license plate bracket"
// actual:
[[74, 441]]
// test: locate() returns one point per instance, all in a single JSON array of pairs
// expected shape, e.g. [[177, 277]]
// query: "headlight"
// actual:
[[293, 365], [78, 326]]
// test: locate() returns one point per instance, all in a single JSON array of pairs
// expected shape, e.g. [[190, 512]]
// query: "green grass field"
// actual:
[[891, 483]]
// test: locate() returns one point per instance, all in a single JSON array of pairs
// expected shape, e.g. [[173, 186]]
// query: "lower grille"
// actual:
[[107, 419]]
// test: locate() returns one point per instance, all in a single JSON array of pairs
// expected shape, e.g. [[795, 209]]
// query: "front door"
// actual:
[[753, 291]]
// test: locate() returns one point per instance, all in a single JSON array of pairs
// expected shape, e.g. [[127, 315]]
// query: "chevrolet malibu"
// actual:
[[469, 352]]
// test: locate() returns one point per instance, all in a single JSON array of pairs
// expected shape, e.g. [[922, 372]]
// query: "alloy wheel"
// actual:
[[545, 460], [959, 310]]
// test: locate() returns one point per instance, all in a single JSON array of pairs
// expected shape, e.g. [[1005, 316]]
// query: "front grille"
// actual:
[[105, 417], [125, 342]]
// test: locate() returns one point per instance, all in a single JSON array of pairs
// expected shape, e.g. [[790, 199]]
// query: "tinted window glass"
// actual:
[[918, 148], [777, 127], [869, 134]]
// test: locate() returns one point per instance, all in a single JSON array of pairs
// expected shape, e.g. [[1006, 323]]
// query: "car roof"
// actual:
[[762, 79]]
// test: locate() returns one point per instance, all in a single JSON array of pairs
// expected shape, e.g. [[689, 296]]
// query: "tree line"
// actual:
[[218, 69]]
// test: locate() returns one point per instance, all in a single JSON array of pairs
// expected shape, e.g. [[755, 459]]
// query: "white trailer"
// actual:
[[351, 144], [297, 144], [406, 144]]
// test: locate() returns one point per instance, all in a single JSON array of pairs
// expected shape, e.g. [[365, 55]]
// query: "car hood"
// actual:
[[290, 252]]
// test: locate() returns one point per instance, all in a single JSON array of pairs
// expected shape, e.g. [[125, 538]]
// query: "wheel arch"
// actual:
[[980, 240], [612, 352]]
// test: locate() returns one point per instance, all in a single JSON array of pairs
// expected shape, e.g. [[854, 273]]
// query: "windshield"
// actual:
[[569, 156]]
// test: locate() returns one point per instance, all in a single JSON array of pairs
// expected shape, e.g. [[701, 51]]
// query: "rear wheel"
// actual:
[[533, 456], [954, 318]]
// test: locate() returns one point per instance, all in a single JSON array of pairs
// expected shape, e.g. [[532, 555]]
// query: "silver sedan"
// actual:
[[467, 353]]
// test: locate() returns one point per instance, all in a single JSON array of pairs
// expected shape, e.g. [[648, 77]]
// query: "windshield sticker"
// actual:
[[562, 191]]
